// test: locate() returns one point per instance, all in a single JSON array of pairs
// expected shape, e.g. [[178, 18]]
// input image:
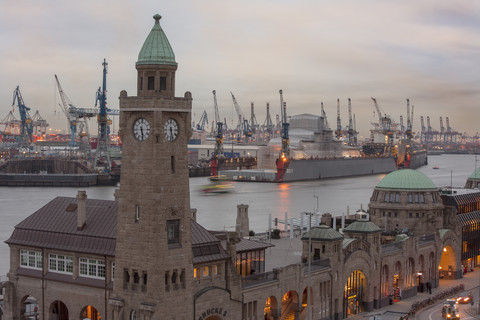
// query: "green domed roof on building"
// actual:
[[363, 226], [475, 175], [322, 233], [406, 179], [156, 49]]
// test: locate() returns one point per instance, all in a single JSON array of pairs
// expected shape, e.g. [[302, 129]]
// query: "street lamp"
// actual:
[[309, 261]]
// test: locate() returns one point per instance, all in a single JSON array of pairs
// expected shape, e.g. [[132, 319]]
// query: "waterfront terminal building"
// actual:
[[144, 256]]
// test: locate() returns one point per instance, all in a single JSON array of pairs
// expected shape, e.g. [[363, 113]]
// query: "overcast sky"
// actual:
[[316, 51]]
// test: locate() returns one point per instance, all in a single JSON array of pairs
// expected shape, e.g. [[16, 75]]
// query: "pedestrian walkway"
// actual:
[[399, 309]]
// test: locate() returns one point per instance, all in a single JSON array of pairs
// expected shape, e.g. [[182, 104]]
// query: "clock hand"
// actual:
[[141, 132]]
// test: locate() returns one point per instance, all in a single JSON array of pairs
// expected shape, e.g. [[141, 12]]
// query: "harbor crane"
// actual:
[[243, 125], [339, 131], [77, 122], [253, 124], [268, 128], [351, 130], [282, 161], [102, 155], [203, 120], [442, 130], [26, 126], [217, 154], [324, 116], [423, 130], [387, 130]]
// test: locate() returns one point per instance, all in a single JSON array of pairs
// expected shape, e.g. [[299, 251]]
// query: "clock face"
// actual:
[[141, 129], [170, 129]]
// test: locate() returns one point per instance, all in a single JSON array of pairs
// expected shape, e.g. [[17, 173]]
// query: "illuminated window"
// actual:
[[215, 270], [196, 273], [206, 271]]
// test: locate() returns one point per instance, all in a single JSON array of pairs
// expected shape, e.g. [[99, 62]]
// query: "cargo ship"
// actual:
[[314, 153]]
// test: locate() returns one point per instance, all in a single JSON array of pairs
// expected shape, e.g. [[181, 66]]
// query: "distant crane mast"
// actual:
[[217, 154], [26, 126], [351, 131], [103, 143], [386, 125], [442, 130], [253, 124], [423, 130], [268, 127], [339, 131], [282, 161]]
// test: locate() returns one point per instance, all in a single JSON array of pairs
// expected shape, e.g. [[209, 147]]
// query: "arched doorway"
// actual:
[[446, 269], [397, 278], [305, 300], [90, 313], [270, 309], [290, 304], [355, 292], [58, 310], [29, 308]]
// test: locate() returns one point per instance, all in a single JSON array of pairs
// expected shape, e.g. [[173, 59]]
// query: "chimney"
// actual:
[[194, 214], [242, 228], [81, 209]]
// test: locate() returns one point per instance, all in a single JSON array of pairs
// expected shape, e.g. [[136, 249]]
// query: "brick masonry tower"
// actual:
[[153, 257]]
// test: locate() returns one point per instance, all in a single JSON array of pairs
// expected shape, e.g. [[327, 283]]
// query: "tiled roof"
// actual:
[[322, 233], [55, 227], [363, 226], [206, 247], [249, 245]]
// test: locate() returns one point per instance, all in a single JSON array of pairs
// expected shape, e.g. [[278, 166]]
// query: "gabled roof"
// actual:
[[322, 233], [55, 227], [206, 247]]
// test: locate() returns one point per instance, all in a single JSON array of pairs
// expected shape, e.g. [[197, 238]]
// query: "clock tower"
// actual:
[[153, 254]]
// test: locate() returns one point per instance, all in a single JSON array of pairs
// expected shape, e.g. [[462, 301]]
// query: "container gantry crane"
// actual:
[[387, 130], [217, 155], [26, 126], [442, 131]]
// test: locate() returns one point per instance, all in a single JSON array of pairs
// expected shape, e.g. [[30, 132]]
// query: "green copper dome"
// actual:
[[156, 49], [407, 179], [322, 233], [475, 175]]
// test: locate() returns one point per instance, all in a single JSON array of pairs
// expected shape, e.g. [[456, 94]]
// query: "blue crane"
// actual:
[[102, 154], [203, 121], [26, 130]]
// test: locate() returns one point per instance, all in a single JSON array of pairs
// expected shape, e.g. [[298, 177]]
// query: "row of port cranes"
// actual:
[[31, 131]]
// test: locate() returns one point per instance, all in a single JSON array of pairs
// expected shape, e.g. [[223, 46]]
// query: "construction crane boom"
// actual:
[[203, 120]]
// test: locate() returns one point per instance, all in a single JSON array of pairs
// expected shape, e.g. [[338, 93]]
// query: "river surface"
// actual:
[[218, 212]]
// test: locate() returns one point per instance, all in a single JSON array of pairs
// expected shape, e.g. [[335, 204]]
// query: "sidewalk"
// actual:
[[470, 280]]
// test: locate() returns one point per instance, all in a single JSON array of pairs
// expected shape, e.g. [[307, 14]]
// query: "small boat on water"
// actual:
[[218, 188], [435, 167]]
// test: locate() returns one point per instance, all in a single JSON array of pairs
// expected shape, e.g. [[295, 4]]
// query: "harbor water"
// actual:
[[218, 211]]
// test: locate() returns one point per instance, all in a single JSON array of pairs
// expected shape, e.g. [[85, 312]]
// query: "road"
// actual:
[[435, 312]]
